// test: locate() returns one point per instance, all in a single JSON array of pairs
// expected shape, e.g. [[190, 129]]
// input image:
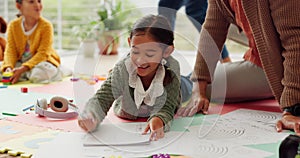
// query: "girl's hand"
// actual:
[[87, 122], [288, 121], [17, 73], [156, 125]]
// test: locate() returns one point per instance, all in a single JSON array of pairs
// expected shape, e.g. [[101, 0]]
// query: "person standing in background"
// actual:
[[195, 11]]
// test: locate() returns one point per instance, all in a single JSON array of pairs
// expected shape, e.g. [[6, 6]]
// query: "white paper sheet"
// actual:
[[230, 137], [117, 135]]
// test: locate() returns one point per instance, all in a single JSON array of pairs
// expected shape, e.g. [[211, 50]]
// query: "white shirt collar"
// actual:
[[155, 90], [27, 33]]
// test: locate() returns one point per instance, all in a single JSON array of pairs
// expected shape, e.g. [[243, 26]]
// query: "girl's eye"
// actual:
[[32, 1], [149, 55]]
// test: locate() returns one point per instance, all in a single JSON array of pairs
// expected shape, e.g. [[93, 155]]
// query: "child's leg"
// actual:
[[225, 55], [45, 72], [186, 88]]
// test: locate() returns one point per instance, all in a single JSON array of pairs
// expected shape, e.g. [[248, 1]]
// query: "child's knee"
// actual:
[[44, 72]]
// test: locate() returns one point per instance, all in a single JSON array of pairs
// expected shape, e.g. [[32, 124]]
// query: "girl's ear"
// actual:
[[18, 6], [168, 51], [128, 40]]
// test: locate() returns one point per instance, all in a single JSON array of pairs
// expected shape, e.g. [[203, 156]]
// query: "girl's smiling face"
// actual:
[[146, 54]]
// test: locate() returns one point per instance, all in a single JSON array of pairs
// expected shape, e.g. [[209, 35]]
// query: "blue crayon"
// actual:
[[3, 86], [31, 106]]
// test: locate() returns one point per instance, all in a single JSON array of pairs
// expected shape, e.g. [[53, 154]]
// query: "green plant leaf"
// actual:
[[103, 14]]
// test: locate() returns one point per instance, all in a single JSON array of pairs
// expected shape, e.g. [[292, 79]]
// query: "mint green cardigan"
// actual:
[[116, 91]]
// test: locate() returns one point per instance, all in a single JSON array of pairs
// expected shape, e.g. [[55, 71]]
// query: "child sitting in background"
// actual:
[[2, 40], [29, 53], [145, 84]]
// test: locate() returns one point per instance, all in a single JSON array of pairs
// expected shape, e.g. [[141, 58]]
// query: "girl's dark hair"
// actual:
[[19, 1], [3, 25], [157, 26]]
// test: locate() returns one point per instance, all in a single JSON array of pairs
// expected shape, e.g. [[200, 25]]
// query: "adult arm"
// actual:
[[198, 101], [212, 39], [289, 33]]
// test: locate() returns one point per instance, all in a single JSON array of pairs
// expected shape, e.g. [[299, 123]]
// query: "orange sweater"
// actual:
[[40, 42]]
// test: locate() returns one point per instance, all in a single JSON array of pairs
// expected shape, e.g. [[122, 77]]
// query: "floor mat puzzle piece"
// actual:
[[270, 105], [68, 88], [64, 88], [24, 84], [28, 144], [71, 125], [79, 91], [268, 147], [68, 125], [30, 84], [11, 130], [54, 124]]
